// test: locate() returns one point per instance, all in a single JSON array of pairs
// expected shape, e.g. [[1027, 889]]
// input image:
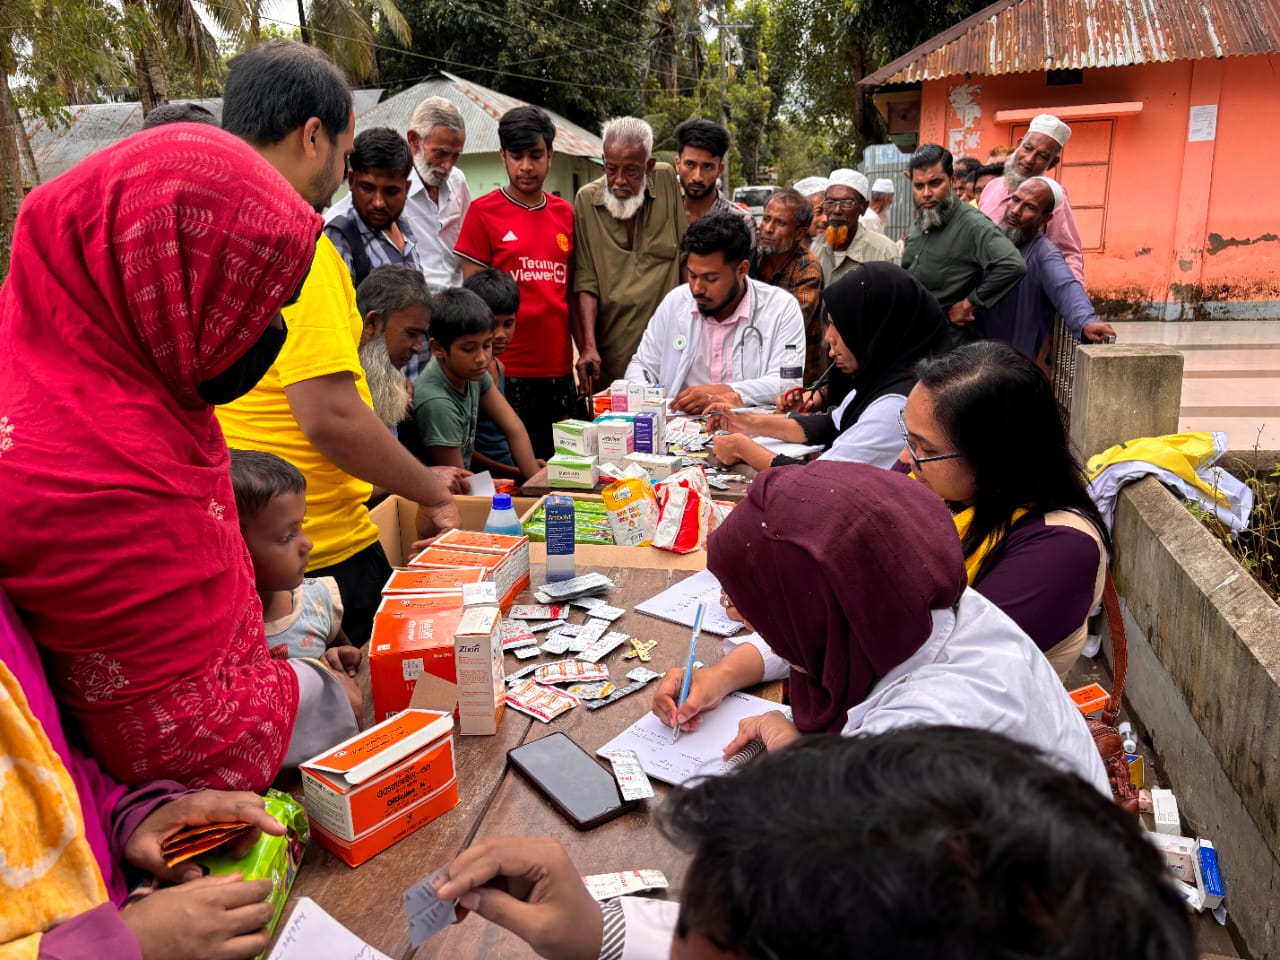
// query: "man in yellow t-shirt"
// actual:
[[313, 406]]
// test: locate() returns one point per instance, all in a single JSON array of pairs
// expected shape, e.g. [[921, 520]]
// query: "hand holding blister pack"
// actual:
[[427, 913]]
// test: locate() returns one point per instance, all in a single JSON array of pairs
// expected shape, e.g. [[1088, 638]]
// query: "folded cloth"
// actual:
[[1183, 461]]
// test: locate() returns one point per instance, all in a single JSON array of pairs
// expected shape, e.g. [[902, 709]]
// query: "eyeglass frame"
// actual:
[[844, 205], [906, 442]]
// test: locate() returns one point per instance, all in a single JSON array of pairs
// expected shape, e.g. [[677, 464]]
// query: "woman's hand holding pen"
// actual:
[[706, 690]]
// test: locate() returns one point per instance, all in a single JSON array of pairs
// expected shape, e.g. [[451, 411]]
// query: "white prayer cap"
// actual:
[[882, 185], [811, 185], [1051, 127], [844, 177], [1055, 188]]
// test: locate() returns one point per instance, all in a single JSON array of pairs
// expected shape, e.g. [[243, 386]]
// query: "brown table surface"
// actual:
[[496, 801], [536, 486]]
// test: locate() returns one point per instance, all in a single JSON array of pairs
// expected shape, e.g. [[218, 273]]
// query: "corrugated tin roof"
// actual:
[[97, 125], [481, 108], [1018, 36]]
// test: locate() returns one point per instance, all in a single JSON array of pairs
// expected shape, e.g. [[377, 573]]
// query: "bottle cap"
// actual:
[[502, 501]]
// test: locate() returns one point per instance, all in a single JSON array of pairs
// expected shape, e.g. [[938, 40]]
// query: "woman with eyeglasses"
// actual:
[[853, 578], [981, 429], [880, 322]]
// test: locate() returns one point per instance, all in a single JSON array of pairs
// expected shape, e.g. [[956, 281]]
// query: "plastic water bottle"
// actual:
[[792, 363], [502, 517], [1127, 738]]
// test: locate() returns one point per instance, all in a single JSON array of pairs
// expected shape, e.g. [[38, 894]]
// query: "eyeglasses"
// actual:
[[832, 205], [911, 451]]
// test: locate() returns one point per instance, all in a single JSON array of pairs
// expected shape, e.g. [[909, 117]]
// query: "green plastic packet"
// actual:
[[276, 858]]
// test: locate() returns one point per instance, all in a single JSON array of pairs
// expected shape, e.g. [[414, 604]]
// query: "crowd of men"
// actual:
[[651, 271]]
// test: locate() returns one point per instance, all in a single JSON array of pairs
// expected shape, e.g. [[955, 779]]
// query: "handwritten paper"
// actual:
[[428, 914], [311, 933], [787, 448], [679, 603], [696, 754]]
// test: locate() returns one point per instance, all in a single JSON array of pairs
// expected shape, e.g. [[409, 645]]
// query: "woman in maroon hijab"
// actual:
[[853, 578]]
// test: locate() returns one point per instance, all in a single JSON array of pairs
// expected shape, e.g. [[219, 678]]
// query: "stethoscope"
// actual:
[[748, 332]]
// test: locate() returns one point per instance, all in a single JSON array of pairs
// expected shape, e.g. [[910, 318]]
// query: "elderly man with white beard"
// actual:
[[1037, 154], [846, 243], [627, 228], [956, 253], [1024, 318], [395, 305]]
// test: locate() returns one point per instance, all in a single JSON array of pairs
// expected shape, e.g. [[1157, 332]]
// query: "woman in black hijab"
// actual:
[[880, 321]]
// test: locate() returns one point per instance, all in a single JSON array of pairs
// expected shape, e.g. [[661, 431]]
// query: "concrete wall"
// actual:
[[1184, 228], [1204, 680]]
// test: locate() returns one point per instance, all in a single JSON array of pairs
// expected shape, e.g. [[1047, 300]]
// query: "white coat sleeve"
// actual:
[[875, 439], [648, 356], [651, 926], [786, 326], [775, 668]]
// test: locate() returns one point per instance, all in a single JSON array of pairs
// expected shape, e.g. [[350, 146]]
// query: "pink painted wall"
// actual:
[[1184, 221]]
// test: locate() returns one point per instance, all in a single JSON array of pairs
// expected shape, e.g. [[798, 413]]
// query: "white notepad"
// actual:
[[699, 753], [310, 933], [679, 603]]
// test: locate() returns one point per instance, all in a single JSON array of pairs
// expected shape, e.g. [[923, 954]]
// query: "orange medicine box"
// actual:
[[363, 794], [431, 579], [502, 568], [412, 636], [513, 575]]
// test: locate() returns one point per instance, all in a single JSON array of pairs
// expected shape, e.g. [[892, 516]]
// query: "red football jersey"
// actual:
[[535, 246]]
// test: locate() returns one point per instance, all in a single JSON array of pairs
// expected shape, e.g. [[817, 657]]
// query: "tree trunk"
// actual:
[[10, 167], [302, 22], [668, 49], [152, 89]]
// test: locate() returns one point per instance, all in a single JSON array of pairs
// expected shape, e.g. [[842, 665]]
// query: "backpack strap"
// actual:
[[1119, 649], [350, 230]]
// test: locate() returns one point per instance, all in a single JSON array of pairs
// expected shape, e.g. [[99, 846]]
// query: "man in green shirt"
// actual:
[[953, 249], [627, 228]]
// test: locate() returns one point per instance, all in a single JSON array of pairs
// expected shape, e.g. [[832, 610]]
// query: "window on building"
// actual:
[[1063, 78]]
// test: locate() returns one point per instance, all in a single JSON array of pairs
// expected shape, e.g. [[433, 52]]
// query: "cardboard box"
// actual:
[[432, 579], [371, 790], [648, 432], [507, 568], [1210, 875], [599, 555], [656, 466], [409, 641], [482, 694], [397, 521], [618, 395], [1164, 812], [572, 472], [614, 440], [575, 437], [1180, 854]]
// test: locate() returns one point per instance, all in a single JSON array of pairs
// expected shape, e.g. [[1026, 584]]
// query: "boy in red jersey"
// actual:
[[529, 234]]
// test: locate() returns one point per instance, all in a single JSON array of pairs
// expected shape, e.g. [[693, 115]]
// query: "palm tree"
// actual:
[[344, 29], [178, 23]]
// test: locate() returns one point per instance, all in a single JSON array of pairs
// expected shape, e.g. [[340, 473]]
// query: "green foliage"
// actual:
[[582, 58]]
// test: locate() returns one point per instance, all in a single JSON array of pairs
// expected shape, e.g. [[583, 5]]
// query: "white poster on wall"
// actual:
[[1203, 124]]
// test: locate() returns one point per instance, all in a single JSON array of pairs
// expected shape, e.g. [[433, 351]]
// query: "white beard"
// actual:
[[623, 209], [387, 385], [1012, 178], [431, 176]]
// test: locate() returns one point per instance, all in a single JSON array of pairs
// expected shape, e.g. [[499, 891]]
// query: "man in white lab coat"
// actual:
[[722, 336]]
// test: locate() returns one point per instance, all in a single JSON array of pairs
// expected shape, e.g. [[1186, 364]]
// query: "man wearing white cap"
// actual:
[[814, 190], [881, 199], [1037, 154], [1025, 317], [844, 244]]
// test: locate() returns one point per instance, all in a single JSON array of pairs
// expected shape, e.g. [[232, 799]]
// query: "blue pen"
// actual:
[[688, 669]]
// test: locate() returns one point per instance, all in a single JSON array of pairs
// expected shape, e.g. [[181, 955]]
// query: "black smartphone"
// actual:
[[568, 776]]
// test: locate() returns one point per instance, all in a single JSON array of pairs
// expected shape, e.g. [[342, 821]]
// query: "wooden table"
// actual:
[[496, 801], [536, 486]]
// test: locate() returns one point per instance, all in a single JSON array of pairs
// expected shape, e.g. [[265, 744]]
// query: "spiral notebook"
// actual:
[[699, 753]]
